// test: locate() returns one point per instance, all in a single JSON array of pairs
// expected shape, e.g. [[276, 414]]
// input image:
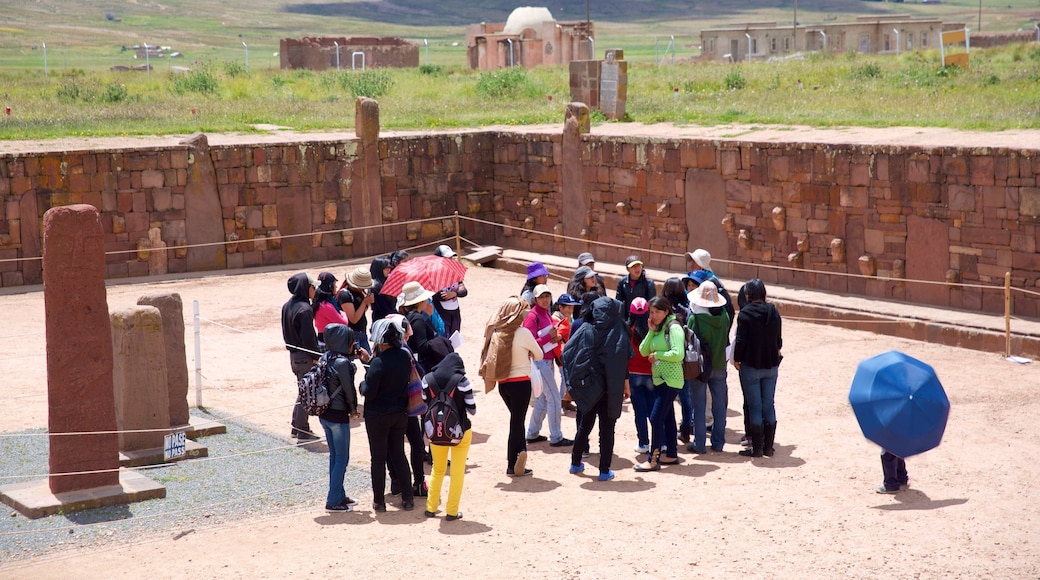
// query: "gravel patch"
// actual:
[[248, 473]]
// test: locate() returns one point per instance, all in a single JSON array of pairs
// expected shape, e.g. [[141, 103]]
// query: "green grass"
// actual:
[[1001, 91]]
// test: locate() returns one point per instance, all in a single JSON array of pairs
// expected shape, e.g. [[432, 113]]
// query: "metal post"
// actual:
[[247, 55], [147, 59], [198, 356], [824, 34], [748, 46], [353, 59], [794, 28], [896, 30], [458, 236], [1007, 314], [45, 56], [337, 53], [510, 42], [592, 48], [426, 43]]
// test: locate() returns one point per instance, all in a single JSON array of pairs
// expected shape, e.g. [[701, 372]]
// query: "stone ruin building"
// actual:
[[320, 53], [529, 37]]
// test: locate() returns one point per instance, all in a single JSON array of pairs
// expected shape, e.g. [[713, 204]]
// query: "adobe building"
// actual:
[[867, 35], [321, 53], [530, 37]]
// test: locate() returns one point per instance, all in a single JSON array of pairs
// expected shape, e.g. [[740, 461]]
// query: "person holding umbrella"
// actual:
[[446, 301]]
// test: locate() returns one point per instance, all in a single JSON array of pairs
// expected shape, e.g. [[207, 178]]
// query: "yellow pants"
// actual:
[[457, 475]]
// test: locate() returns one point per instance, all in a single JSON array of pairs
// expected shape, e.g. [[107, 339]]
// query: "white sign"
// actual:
[[174, 445]]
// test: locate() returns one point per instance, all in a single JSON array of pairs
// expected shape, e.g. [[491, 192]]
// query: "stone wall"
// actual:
[[880, 213], [319, 53]]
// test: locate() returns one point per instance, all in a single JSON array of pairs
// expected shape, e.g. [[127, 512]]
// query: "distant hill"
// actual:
[[463, 12]]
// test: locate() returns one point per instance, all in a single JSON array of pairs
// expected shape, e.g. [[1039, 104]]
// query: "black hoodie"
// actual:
[[758, 340], [298, 317], [338, 340]]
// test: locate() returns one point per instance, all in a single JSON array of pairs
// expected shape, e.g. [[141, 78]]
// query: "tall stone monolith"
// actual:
[[139, 378], [79, 350], [172, 310]]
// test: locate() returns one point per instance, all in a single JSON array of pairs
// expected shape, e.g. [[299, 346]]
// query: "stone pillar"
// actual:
[[575, 202], [367, 195], [79, 350], [172, 310], [139, 377], [203, 218], [613, 84]]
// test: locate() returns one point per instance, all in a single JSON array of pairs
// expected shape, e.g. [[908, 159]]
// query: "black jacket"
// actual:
[[338, 339], [644, 287], [758, 340], [596, 357], [298, 317], [386, 383]]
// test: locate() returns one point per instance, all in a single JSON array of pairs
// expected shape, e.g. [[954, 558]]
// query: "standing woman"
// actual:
[[640, 374], [448, 372], [584, 281], [675, 291], [339, 341], [446, 302], [326, 308], [536, 274], [505, 360], [664, 346], [382, 304], [355, 297], [386, 404], [756, 355]]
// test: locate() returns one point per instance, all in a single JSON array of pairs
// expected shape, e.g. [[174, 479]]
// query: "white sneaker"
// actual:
[[641, 449]]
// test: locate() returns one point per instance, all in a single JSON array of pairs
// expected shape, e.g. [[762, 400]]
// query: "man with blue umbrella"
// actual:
[[900, 405]]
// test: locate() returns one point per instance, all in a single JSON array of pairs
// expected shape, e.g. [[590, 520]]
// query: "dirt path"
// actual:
[[810, 511]]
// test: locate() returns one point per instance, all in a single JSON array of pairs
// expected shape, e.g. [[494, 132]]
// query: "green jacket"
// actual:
[[668, 350], [714, 330]]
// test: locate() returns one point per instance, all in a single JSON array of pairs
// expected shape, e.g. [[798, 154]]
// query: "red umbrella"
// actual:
[[433, 272]]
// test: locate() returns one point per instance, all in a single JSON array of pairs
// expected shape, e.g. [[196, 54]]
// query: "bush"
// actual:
[[499, 83], [71, 90], [734, 81], [869, 70], [198, 80], [367, 83], [431, 69], [113, 93], [233, 68]]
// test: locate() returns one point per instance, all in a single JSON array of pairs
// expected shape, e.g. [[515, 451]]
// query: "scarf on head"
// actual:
[[497, 356]]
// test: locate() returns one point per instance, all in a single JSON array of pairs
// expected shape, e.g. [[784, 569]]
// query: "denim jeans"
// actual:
[[337, 436], [547, 404], [759, 386], [662, 420], [719, 404], [641, 388], [686, 404], [698, 396]]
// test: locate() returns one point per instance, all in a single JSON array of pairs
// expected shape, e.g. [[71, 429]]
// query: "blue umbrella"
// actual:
[[899, 403]]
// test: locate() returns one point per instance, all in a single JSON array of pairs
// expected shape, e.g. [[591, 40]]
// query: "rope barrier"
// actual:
[[169, 513]]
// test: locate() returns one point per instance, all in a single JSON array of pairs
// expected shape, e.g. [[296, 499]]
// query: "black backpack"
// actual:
[[314, 386], [443, 421]]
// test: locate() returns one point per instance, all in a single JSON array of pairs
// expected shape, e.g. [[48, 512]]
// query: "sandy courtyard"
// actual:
[[808, 512]]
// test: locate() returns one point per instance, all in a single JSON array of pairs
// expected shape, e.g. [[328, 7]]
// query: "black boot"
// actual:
[[769, 432], [684, 433], [757, 442]]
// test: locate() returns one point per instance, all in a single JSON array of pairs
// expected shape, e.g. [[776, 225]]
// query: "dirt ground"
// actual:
[[810, 511]]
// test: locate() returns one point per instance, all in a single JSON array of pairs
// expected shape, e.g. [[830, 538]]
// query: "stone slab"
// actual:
[[199, 427], [154, 455], [34, 499]]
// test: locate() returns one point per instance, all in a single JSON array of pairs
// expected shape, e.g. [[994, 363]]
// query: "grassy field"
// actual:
[[67, 89]]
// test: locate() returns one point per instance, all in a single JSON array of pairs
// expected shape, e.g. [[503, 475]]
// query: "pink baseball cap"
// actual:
[[639, 306]]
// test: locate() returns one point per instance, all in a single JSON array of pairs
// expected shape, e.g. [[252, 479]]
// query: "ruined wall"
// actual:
[[942, 214], [319, 53]]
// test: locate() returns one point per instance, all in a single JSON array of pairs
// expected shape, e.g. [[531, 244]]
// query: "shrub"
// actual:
[[198, 80], [367, 83], [431, 69], [499, 83], [734, 81], [70, 90], [233, 68], [869, 70], [113, 93]]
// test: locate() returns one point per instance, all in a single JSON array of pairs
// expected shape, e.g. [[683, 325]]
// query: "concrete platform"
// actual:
[[34, 499], [155, 455], [199, 427], [973, 330]]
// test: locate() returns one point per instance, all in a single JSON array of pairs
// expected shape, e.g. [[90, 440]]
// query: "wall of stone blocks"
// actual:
[[882, 214]]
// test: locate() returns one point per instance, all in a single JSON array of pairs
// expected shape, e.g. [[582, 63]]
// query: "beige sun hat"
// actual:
[[360, 277], [413, 293], [701, 257], [706, 295]]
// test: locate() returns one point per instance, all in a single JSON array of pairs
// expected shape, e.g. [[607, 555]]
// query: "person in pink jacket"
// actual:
[[541, 324], [326, 309]]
